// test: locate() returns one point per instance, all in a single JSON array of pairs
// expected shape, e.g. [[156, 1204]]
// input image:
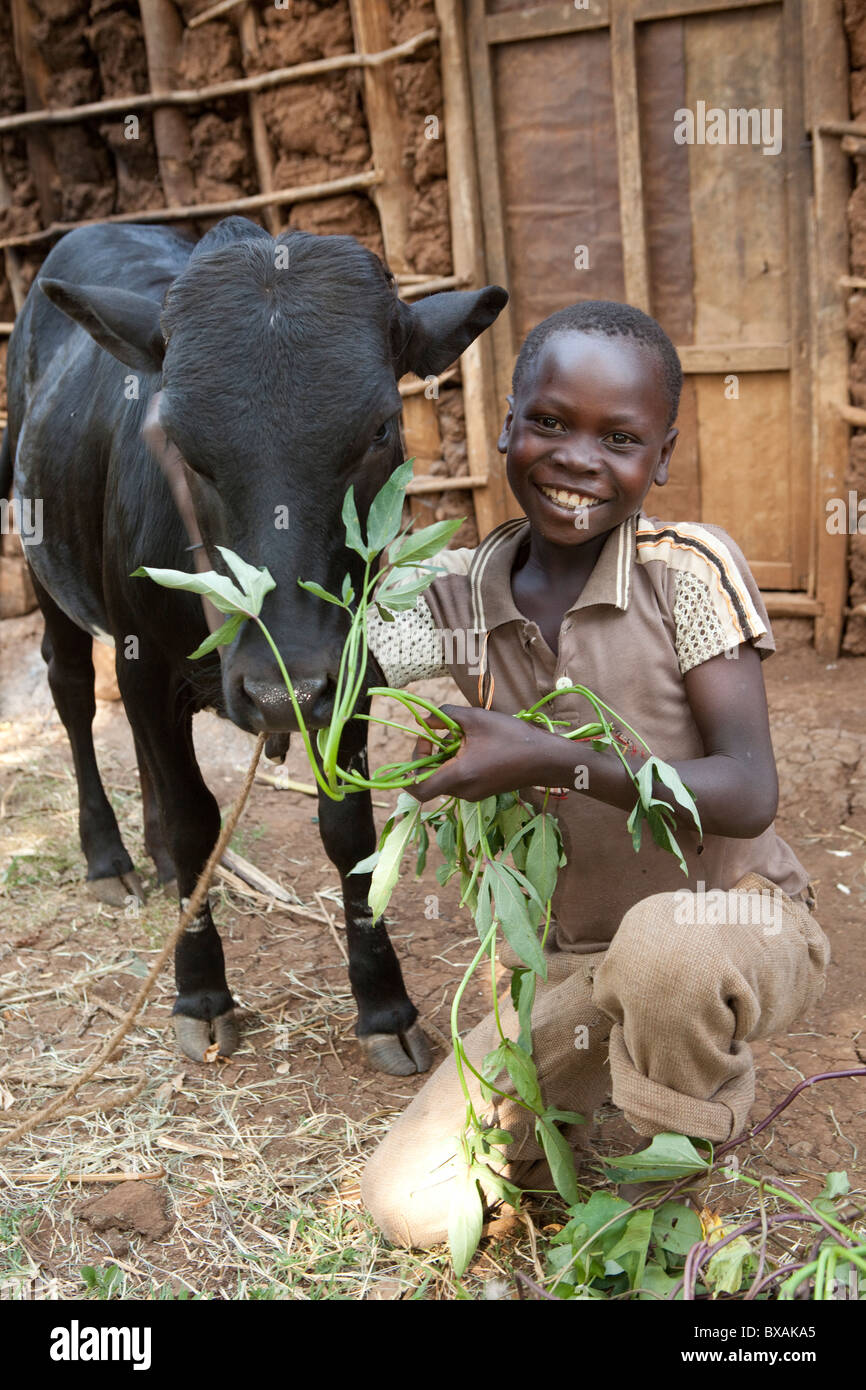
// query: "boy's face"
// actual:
[[587, 435]]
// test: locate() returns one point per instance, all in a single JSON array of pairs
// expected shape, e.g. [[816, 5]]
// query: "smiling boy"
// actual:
[[647, 995]]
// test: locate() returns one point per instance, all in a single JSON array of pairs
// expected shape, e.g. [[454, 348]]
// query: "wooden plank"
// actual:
[[393, 197], [501, 334], [546, 21], [826, 101], [38, 83], [781, 605], [203, 96], [476, 364], [163, 38], [735, 357], [302, 193], [744, 451], [738, 205], [631, 205], [679, 9], [248, 34], [798, 185]]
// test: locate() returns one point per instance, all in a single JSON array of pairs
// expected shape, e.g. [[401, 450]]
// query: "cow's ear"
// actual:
[[436, 330], [126, 325]]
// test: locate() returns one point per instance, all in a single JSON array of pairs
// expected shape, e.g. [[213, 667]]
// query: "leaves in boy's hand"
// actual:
[[542, 858], [424, 544], [313, 588], [386, 509], [221, 638], [353, 526], [387, 867], [512, 912]]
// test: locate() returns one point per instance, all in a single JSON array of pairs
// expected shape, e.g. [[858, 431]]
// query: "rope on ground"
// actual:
[[60, 1107]]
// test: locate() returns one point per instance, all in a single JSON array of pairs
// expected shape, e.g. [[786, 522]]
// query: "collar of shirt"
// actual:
[[490, 573]]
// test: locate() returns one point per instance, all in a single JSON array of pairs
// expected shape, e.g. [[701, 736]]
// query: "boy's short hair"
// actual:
[[613, 320]]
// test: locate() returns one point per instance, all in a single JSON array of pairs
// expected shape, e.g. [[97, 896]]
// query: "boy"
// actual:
[[649, 993]]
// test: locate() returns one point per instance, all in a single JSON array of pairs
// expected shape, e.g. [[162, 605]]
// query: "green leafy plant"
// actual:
[[507, 854]]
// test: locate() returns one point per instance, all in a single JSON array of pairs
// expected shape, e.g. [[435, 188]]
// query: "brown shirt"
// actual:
[[662, 598]]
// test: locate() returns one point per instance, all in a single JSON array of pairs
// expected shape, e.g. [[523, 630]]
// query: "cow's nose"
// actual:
[[274, 709]]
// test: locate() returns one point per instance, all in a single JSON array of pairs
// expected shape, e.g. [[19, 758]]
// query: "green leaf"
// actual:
[[313, 588], [483, 910], [671, 779], [465, 1220], [560, 1159], [221, 637], [497, 1136], [475, 817], [676, 1228], [348, 591], [542, 858], [401, 598], [353, 526], [724, 1271], [386, 509], [564, 1117], [387, 869], [837, 1185], [223, 594], [424, 544], [255, 582], [365, 866], [512, 912], [631, 1248], [668, 1156], [656, 1281], [523, 998], [521, 1069]]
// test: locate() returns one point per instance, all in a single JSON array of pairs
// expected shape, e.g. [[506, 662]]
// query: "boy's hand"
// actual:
[[498, 754]]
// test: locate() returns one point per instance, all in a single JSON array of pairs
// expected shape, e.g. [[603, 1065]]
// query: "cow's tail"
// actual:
[[5, 464]]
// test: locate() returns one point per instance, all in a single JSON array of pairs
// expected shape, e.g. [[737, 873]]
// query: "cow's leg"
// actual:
[[154, 840], [387, 1028], [67, 652], [190, 820]]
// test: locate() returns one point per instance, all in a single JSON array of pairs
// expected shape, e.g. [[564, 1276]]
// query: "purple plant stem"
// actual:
[[792, 1095]]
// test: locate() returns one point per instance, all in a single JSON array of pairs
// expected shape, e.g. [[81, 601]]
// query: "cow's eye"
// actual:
[[382, 433]]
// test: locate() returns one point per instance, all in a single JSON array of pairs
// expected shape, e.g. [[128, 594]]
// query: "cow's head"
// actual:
[[280, 359]]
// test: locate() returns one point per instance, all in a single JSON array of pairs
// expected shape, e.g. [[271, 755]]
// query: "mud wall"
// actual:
[[317, 130]]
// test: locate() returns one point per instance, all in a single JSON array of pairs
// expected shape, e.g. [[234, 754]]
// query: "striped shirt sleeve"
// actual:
[[716, 602]]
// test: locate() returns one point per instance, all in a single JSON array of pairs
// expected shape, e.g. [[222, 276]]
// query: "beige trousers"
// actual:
[[661, 1021]]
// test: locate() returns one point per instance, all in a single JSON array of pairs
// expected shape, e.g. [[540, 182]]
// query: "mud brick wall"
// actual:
[[317, 130], [855, 23]]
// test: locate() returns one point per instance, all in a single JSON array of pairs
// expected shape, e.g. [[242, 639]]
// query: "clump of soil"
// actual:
[[142, 1208]]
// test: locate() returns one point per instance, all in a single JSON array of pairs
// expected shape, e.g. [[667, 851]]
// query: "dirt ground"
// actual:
[[258, 1158]]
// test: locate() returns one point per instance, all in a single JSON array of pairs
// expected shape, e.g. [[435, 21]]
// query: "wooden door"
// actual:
[[587, 195]]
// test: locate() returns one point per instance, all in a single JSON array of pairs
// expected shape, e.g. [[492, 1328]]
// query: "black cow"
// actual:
[[278, 361]]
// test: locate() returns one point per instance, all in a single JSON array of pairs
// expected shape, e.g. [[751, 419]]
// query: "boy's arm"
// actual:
[[734, 783]]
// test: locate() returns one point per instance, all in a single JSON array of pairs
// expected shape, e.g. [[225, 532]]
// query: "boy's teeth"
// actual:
[[570, 499]]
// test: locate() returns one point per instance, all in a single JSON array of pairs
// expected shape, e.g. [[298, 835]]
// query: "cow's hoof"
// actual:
[[398, 1054], [195, 1035], [117, 890]]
